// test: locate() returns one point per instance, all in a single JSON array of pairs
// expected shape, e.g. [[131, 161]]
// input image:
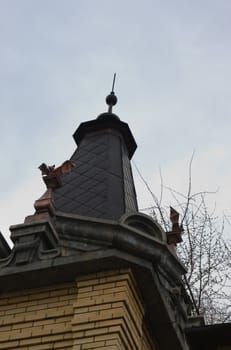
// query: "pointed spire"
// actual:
[[113, 83], [102, 185], [111, 99]]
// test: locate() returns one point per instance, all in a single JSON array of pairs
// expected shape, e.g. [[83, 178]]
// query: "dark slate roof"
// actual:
[[4, 247], [101, 183]]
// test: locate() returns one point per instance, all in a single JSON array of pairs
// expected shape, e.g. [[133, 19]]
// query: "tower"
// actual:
[[88, 270]]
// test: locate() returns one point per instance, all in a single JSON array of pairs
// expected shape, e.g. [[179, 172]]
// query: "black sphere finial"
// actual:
[[111, 99]]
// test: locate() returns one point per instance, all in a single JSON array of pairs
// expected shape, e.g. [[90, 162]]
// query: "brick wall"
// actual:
[[37, 319], [100, 311]]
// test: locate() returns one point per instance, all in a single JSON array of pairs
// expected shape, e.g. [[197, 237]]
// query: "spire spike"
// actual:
[[111, 99], [113, 83]]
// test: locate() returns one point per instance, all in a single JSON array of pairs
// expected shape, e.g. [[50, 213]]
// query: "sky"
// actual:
[[172, 60]]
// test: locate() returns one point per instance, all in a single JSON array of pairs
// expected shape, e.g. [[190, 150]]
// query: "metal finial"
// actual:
[[113, 83], [111, 99]]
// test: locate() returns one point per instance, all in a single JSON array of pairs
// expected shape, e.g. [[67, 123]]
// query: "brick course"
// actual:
[[99, 311]]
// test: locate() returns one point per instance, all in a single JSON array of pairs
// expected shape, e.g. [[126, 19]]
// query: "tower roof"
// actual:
[[101, 183]]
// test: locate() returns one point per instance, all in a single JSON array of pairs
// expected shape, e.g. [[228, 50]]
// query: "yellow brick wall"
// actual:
[[100, 311], [37, 319]]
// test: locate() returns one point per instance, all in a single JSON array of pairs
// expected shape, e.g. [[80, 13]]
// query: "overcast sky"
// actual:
[[172, 60]]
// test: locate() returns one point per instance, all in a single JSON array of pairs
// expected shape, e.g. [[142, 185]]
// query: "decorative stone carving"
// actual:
[[51, 177], [174, 236], [32, 242], [145, 224]]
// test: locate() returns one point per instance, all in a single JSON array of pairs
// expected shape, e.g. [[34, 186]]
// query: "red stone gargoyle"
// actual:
[[51, 175], [174, 236], [52, 178]]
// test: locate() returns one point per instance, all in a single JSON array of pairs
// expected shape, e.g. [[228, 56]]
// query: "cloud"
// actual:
[[16, 205], [173, 88], [209, 172]]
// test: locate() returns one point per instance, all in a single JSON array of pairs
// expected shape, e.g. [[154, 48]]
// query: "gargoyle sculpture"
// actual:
[[52, 178], [174, 236], [51, 175]]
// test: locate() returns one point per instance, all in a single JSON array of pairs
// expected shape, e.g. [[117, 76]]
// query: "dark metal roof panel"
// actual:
[[101, 184]]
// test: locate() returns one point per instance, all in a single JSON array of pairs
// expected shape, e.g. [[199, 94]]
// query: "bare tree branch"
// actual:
[[204, 250]]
